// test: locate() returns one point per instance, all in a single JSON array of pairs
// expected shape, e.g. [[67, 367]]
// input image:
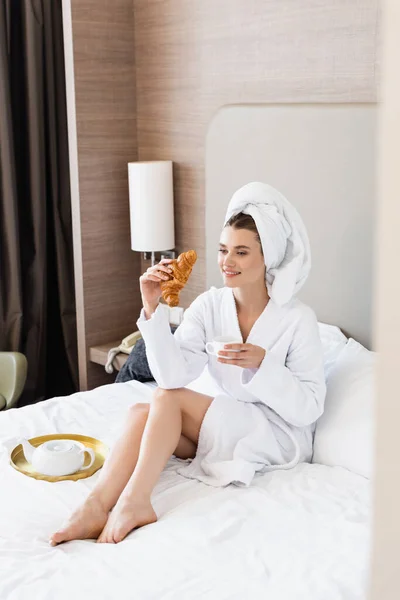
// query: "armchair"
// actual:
[[13, 370]]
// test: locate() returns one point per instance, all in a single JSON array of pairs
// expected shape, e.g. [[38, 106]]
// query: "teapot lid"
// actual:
[[56, 446]]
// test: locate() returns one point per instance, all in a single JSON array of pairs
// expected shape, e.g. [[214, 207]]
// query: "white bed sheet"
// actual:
[[300, 534]]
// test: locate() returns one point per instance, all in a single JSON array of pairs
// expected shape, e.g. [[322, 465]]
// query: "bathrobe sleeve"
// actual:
[[175, 359], [296, 390]]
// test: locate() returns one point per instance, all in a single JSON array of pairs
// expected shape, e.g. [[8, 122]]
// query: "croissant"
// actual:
[[181, 269]]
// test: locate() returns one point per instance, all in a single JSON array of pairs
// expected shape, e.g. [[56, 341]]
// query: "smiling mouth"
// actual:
[[231, 273]]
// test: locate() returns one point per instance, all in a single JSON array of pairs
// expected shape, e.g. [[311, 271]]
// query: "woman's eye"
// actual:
[[224, 251]]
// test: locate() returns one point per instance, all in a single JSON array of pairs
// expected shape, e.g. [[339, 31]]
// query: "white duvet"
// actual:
[[297, 535]]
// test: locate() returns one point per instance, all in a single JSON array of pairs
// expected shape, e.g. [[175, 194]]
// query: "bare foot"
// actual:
[[125, 516], [86, 522]]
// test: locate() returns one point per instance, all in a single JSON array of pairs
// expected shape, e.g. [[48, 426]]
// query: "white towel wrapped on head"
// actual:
[[284, 238]]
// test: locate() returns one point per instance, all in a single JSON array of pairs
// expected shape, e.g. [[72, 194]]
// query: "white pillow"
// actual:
[[333, 342], [344, 435]]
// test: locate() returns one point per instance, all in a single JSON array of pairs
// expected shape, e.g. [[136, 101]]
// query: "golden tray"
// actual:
[[19, 462]]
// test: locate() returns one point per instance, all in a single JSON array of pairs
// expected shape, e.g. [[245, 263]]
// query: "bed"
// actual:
[[292, 535]]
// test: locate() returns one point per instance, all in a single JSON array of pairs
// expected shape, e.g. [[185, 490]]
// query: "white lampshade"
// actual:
[[151, 203]]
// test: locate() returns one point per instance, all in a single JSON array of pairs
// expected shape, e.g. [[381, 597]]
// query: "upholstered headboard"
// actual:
[[322, 158]]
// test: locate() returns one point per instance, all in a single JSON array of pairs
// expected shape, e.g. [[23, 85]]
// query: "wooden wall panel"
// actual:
[[193, 56], [107, 293]]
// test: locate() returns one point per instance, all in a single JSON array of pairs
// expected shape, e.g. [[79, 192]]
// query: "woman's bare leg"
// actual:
[[89, 520], [172, 413]]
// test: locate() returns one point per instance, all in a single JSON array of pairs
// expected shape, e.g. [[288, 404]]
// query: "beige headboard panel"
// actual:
[[322, 158]]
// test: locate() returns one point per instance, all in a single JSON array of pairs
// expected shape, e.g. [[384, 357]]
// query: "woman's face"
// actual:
[[240, 258]]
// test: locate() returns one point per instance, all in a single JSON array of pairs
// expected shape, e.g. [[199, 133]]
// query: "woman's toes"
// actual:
[[102, 539], [63, 535], [118, 537], [105, 540]]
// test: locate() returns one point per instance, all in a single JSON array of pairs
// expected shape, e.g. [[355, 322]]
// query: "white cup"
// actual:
[[218, 344]]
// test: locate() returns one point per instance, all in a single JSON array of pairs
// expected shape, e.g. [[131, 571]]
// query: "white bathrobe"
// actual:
[[263, 418]]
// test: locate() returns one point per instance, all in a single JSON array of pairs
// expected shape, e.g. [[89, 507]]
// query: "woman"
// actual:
[[271, 382]]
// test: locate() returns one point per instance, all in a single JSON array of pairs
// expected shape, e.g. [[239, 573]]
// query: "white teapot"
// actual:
[[57, 457]]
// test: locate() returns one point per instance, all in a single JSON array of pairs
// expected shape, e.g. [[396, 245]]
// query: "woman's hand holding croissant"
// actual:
[[166, 279], [150, 284]]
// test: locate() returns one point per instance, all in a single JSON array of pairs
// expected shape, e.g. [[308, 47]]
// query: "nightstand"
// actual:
[[98, 354]]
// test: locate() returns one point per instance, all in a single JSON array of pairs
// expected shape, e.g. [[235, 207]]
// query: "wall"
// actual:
[[386, 525], [104, 141], [194, 56]]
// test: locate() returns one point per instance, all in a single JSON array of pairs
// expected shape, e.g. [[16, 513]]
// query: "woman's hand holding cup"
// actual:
[[249, 356], [231, 352], [218, 344]]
